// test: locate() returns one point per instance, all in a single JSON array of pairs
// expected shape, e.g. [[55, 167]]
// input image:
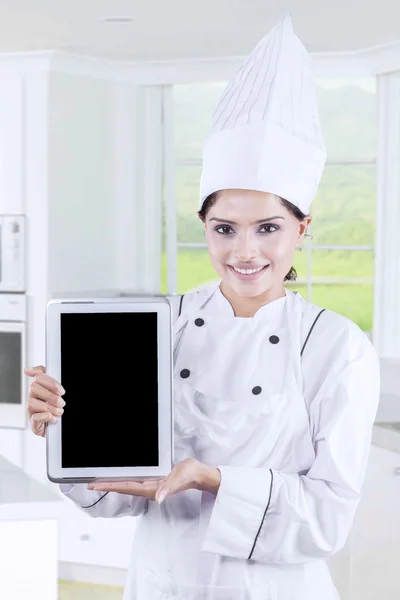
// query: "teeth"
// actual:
[[248, 271]]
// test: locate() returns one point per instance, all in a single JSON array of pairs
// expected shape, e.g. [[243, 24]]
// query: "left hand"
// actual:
[[185, 475]]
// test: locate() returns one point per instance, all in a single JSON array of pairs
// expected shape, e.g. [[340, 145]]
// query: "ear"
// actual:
[[303, 226]]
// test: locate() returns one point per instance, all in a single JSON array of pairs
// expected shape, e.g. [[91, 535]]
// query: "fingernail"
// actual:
[[62, 391], [53, 419], [62, 403], [59, 411]]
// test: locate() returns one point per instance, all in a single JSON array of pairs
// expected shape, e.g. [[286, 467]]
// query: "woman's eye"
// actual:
[[227, 229], [268, 228], [224, 229]]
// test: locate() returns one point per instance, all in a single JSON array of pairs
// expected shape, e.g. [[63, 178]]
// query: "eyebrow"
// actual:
[[234, 223]]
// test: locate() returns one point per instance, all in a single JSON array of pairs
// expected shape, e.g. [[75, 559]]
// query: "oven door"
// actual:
[[12, 379]]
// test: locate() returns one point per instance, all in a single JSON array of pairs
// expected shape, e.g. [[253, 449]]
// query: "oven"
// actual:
[[12, 361]]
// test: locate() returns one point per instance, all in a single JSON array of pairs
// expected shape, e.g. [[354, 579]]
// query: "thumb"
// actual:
[[32, 371]]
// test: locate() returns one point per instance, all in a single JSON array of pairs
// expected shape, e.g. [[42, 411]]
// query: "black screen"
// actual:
[[109, 370]]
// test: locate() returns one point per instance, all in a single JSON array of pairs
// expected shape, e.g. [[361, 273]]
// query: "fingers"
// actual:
[[44, 402], [32, 371], [39, 422], [49, 383], [182, 477], [167, 489], [39, 375], [38, 406], [171, 484], [39, 392], [147, 489]]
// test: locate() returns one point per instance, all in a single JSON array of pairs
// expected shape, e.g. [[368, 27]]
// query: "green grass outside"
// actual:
[[354, 301]]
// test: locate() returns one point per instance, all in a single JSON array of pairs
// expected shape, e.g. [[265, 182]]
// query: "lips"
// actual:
[[248, 270], [243, 276]]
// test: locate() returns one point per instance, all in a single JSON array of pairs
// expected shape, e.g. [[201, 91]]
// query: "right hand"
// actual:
[[45, 403]]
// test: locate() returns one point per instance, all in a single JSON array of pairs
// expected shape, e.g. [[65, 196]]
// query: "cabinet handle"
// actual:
[[396, 471]]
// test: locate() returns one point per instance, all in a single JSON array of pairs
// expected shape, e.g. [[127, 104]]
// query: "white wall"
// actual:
[[82, 211]]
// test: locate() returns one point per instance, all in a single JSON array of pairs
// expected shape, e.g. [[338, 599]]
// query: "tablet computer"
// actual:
[[113, 356]]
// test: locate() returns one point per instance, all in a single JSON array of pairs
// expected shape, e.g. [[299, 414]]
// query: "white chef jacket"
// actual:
[[290, 434]]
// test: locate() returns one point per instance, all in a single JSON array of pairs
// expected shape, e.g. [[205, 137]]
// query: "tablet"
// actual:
[[113, 356]]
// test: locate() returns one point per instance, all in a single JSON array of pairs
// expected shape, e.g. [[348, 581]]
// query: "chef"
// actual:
[[275, 398]]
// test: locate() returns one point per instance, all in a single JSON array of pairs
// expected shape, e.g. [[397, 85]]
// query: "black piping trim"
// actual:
[[265, 512], [309, 333], [180, 305], [97, 501]]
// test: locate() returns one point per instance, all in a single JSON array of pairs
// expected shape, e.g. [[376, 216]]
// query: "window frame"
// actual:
[[173, 245]]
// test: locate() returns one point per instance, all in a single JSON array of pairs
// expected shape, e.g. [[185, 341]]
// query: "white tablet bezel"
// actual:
[[162, 307]]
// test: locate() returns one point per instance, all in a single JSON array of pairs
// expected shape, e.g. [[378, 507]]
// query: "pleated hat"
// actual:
[[266, 133]]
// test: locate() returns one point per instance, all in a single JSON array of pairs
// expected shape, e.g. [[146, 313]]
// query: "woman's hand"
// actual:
[[147, 489], [44, 401], [187, 474]]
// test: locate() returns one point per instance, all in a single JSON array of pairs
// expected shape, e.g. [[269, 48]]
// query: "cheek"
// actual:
[[217, 247], [279, 249]]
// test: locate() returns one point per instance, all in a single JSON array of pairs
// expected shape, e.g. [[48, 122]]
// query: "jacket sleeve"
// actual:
[[104, 504], [269, 516]]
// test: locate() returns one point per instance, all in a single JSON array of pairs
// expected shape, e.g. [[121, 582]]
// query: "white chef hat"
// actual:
[[266, 134]]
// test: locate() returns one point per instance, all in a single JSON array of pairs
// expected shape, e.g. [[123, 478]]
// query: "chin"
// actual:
[[249, 289], [250, 293]]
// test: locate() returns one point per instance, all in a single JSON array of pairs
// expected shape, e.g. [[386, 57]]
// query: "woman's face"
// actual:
[[251, 240]]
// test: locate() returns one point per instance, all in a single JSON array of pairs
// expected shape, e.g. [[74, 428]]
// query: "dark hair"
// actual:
[[294, 210]]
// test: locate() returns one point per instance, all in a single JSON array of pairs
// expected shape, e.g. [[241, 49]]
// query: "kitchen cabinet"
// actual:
[[367, 568], [98, 542], [375, 537], [28, 536], [340, 569], [11, 143]]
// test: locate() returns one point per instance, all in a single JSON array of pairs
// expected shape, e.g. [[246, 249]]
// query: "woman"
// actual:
[[275, 398]]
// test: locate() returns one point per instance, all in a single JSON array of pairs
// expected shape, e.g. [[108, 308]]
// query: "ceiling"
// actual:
[[183, 29]]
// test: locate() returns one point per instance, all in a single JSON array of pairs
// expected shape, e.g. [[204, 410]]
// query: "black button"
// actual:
[[199, 322], [185, 373], [256, 390], [274, 339]]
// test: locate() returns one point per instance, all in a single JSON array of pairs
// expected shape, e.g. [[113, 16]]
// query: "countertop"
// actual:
[[386, 432], [387, 435], [22, 497]]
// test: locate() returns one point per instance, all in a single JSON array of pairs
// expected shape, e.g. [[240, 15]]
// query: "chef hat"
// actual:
[[266, 134]]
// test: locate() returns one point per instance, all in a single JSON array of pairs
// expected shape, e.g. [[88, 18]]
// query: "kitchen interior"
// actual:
[[87, 181]]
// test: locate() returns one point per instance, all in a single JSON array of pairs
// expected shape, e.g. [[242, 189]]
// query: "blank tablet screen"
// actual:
[[109, 370]]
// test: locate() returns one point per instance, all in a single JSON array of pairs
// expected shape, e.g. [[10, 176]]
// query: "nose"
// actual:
[[246, 246]]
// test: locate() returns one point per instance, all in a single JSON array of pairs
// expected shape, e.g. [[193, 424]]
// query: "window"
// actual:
[[336, 266]]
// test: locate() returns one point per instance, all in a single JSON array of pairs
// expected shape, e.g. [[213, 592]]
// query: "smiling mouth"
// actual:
[[248, 273]]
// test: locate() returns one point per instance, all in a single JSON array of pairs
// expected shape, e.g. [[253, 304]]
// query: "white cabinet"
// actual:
[[340, 569], [28, 559], [368, 568], [98, 542], [375, 556], [11, 143]]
